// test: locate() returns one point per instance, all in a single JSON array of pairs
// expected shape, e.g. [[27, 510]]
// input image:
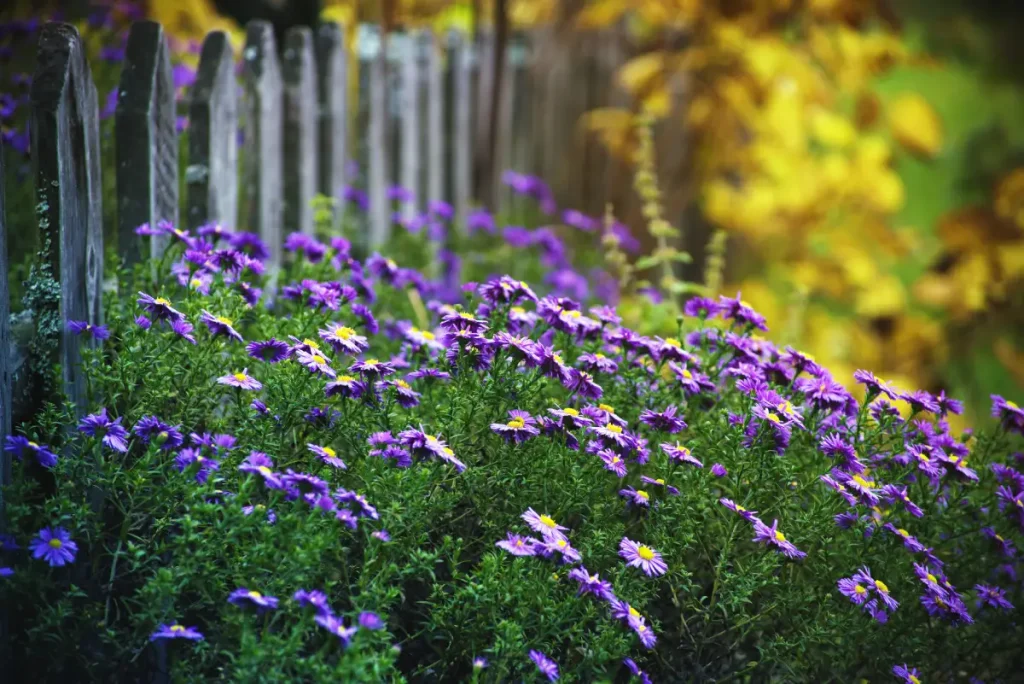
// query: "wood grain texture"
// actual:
[[332, 89], [212, 173], [263, 163], [65, 142], [379, 160], [463, 131], [411, 135], [146, 143], [301, 165], [435, 163]]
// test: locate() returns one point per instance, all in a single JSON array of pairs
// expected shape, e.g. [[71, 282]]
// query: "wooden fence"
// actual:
[[421, 122]]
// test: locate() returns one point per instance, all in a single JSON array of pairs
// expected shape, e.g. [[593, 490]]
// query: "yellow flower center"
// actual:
[[255, 595], [571, 412], [573, 314], [779, 536], [225, 321], [391, 263], [344, 333], [740, 508], [241, 377], [516, 423], [519, 542], [33, 445], [196, 282], [547, 521], [673, 342], [1012, 405], [645, 553], [346, 378], [924, 459], [860, 590], [312, 344], [177, 628], [448, 451], [615, 460], [319, 359], [403, 384], [641, 628], [428, 335], [161, 300], [772, 417], [932, 578], [561, 543], [55, 543], [557, 358], [599, 356], [821, 387], [371, 362], [634, 612], [660, 481], [787, 408], [862, 482], [466, 315], [687, 374], [881, 586], [999, 538], [264, 470], [612, 427], [606, 407], [329, 451], [914, 680], [518, 309], [903, 532], [642, 494]]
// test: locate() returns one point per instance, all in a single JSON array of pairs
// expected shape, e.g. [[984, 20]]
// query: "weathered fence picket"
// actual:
[[436, 186], [262, 148], [212, 171], [300, 130], [146, 142], [463, 130], [332, 95], [65, 154], [379, 160], [411, 135]]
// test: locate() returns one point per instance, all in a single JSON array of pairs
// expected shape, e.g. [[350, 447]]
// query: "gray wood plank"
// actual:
[[463, 132], [300, 130], [212, 172], [379, 172], [332, 86], [146, 143], [412, 136], [65, 143], [435, 162], [262, 170]]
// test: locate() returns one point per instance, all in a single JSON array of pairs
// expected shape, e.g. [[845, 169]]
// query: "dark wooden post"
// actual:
[[332, 84], [65, 147], [380, 212], [212, 172], [146, 142], [262, 156], [300, 130]]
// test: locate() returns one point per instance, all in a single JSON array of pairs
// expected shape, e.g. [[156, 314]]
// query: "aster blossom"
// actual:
[[772, 537], [176, 631], [643, 557], [111, 432], [19, 446], [55, 546], [520, 427]]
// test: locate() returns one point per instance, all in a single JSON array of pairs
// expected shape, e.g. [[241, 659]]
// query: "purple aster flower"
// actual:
[[405, 395], [547, 666], [152, 429], [219, 325], [992, 596], [480, 219], [613, 462], [719, 470], [382, 535], [770, 536], [345, 386], [591, 584], [544, 524], [183, 329], [822, 391], [189, 457], [518, 545], [241, 380], [96, 332], [570, 418], [327, 455], [948, 405], [316, 362], [373, 369], [647, 637], [1005, 546], [176, 631], [737, 310], [54, 545], [551, 545], [908, 675], [598, 363], [854, 590], [749, 516], [19, 445], [143, 322], [643, 557], [666, 420], [877, 587], [658, 482], [271, 351], [371, 621], [480, 663], [345, 340], [701, 307], [112, 432], [582, 383], [520, 428], [303, 483], [892, 493], [636, 497], [692, 380], [315, 599], [260, 463], [506, 290], [677, 452], [159, 308], [337, 627]]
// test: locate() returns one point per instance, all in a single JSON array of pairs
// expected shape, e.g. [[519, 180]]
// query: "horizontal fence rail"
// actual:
[[267, 131]]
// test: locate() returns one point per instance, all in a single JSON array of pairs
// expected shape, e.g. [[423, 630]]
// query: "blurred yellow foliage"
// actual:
[[915, 125]]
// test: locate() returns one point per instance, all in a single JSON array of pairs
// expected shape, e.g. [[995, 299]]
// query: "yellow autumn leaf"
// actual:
[[832, 130], [601, 13], [884, 296], [887, 191], [637, 75], [613, 127], [915, 124]]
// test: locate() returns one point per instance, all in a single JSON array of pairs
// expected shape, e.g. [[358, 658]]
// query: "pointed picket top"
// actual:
[[212, 171], [65, 153], [146, 142], [263, 164], [300, 130], [332, 80]]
